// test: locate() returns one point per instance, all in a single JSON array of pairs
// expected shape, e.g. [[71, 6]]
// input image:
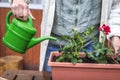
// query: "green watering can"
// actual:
[[19, 34]]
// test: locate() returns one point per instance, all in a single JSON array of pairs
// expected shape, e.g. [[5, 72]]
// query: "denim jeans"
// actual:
[[51, 48]]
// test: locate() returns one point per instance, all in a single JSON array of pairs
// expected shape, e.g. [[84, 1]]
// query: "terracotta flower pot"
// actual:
[[83, 71]]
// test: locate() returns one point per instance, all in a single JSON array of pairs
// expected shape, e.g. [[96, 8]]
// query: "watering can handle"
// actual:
[[8, 17]]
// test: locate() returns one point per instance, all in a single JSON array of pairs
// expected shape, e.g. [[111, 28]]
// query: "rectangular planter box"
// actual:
[[83, 71]]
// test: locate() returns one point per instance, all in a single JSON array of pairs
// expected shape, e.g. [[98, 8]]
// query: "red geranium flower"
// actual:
[[105, 29]]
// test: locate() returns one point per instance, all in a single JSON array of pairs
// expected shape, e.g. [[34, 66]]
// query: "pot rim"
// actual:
[[81, 65]]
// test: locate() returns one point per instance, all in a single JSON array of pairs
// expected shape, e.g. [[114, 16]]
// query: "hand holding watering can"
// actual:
[[19, 34]]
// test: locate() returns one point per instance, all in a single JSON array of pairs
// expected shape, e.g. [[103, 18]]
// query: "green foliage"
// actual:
[[100, 54], [70, 52]]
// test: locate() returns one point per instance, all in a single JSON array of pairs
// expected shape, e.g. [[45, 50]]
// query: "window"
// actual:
[[34, 4], [3, 0], [33, 1], [36, 1]]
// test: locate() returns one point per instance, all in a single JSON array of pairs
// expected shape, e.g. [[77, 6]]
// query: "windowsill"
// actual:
[[32, 6]]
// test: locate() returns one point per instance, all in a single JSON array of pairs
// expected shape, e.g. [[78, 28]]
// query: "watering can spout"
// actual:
[[35, 41]]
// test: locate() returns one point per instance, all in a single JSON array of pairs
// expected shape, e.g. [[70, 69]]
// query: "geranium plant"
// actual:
[[101, 53], [70, 52], [102, 63]]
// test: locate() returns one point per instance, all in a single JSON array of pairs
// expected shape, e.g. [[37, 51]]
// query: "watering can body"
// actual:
[[19, 34]]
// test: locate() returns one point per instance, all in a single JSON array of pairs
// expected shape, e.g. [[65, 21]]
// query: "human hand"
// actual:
[[21, 10], [116, 43]]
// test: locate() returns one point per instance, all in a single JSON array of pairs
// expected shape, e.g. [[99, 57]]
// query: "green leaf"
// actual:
[[60, 59], [91, 56], [80, 61], [64, 37], [118, 59], [67, 48], [74, 61], [102, 61], [70, 56]]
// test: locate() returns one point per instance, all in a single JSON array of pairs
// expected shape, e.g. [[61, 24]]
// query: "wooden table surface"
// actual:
[[26, 75]]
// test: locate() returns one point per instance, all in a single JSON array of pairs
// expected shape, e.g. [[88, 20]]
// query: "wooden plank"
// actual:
[[47, 75], [26, 75], [10, 74], [30, 72], [36, 75]]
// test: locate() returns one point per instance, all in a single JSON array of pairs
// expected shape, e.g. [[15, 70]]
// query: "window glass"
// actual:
[[3, 0], [32, 2], [36, 1]]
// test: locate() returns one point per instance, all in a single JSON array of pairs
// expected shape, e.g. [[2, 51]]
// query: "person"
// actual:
[[113, 22], [60, 17]]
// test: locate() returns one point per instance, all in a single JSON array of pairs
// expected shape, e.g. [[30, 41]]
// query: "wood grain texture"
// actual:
[[26, 75]]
